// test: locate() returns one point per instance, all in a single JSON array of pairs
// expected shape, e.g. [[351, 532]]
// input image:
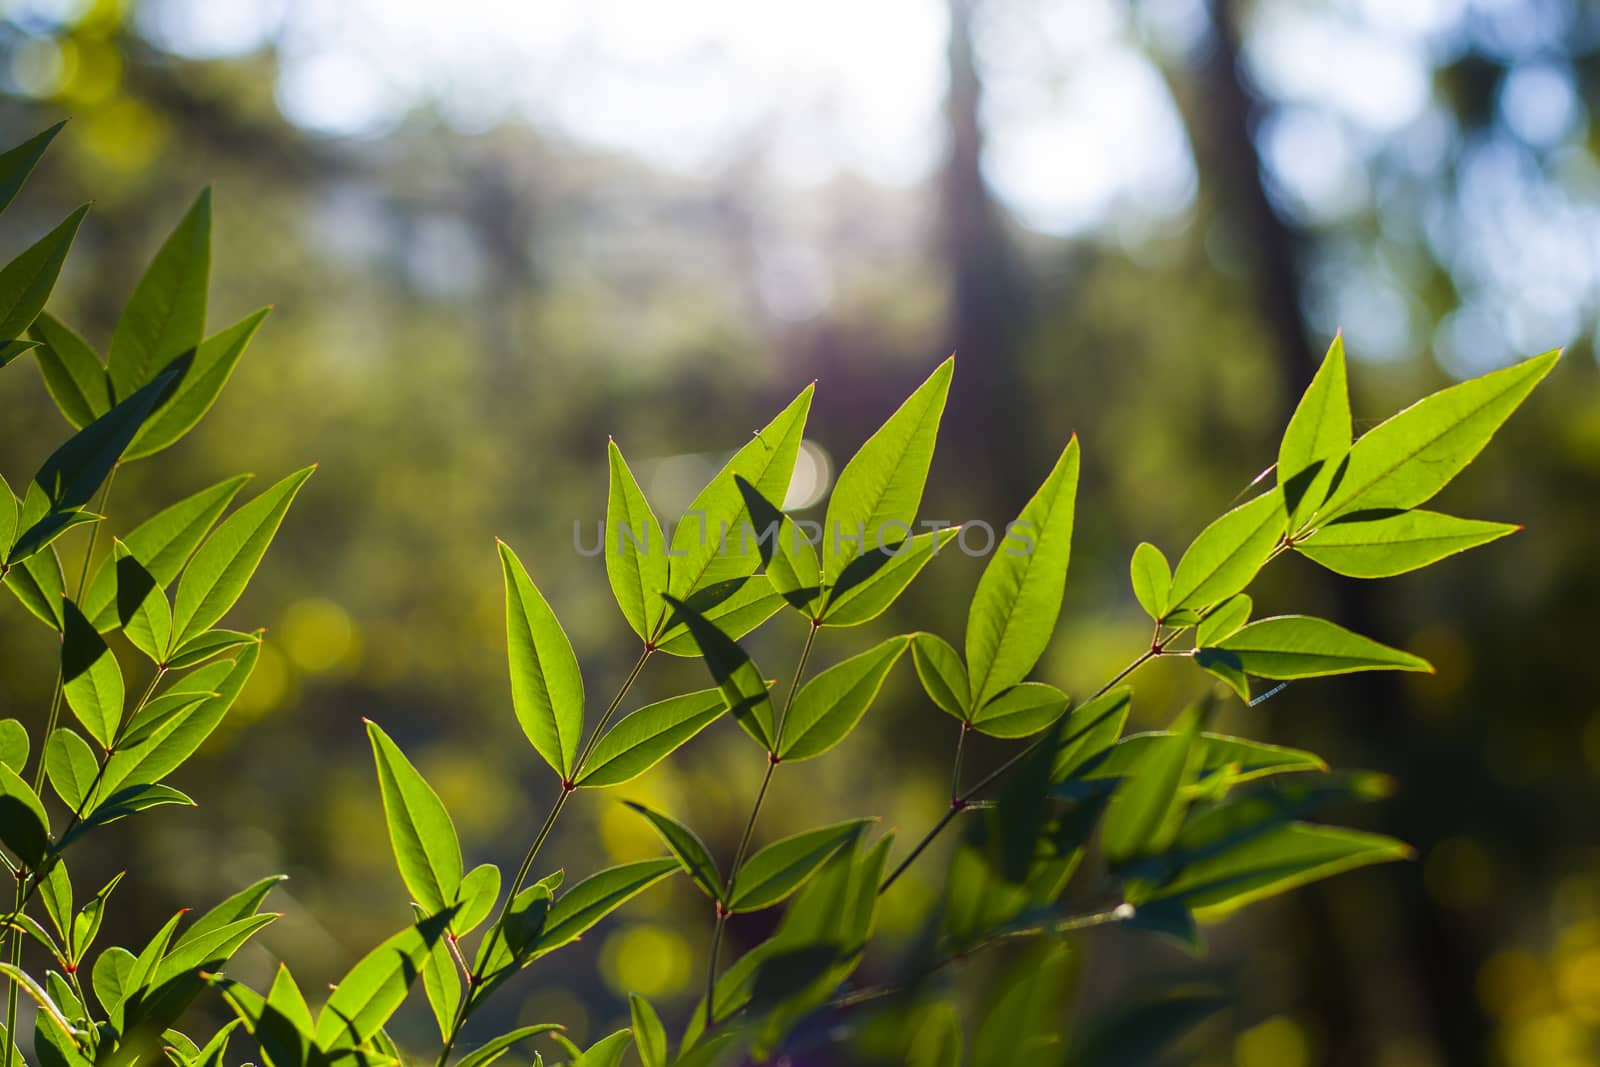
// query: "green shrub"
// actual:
[[1165, 829]]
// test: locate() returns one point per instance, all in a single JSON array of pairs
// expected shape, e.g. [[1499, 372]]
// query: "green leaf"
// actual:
[[736, 607], [73, 374], [1144, 804], [1023, 1021], [125, 802], [943, 675], [636, 550], [1241, 759], [1092, 731], [72, 474], [41, 587], [14, 744], [742, 686], [1224, 620], [597, 896], [240, 906], [208, 645], [157, 713], [1406, 460], [163, 543], [213, 365], [937, 1041], [718, 514], [17, 163], [1317, 438], [420, 831], [26, 281], [1283, 858], [649, 1036], [210, 949], [1300, 646], [72, 767], [214, 580], [794, 571], [142, 608], [480, 888], [546, 686], [646, 737], [109, 977], [10, 516], [1229, 553], [441, 982], [874, 580], [86, 925], [829, 706], [374, 988], [783, 866], [166, 316], [1380, 545], [692, 853], [607, 1052], [91, 681], [1021, 711], [23, 823], [495, 1047], [1018, 598], [1152, 580], [881, 487]]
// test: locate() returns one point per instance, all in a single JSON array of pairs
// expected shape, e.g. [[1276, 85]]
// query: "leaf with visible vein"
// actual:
[[546, 685], [1300, 646], [1380, 545]]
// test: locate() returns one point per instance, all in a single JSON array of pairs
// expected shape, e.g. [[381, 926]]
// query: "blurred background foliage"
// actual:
[[497, 232]]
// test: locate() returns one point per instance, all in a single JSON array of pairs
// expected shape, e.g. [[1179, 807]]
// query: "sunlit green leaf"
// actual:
[[73, 374], [1317, 438], [874, 580], [649, 1036], [1092, 730], [1152, 579], [1300, 646], [213, 365], [1021, 711], [937, 1041], [597, 896], [742, 686], [1229, 553], [14, 744], [1144, 803], [735, 606], [829, 706], [495, 1047], [374, 988], [783, 866], [636, 550], [166, 315], [1380, 545], [477, 893], [1018, 599], [875, 498], [72, 767], [142, 608], [208, 645], [1224, 620], [41, 586], [646, 737], [692, 853], [943, 675], [26, 281], [91, 681], [420, 831], [546, 686]]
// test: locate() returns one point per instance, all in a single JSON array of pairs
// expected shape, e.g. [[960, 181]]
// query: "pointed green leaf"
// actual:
[[1317, 438], [943, 675], [1229, 553], [646, 737], [875, 579], [1152, 580], [163, 543], [10, 350], [1241, 759], [91, 681], [1021, 711], [441, 981], [794, 570], [1406, 460], [129, 800], [213, 365], [495, 1047], [636, 551], [142, 608], [1018, 599], [73, 374], [157, 713], [374, 988], [1300, 646], [240, 906], [208, 645], [597, 896], [692, 853], [26, 281], [879, 490], [1380, 545], [783, 866], [72, 767], [1145, 801], [649, 1036], [829, 706], [742, 686], [209, 950], [41, 586], [420, 831], [707, 543], [736, 607], [17, 163], [1092, 731], [1224, 620], [216, 577], [546, 686], [166, 316]]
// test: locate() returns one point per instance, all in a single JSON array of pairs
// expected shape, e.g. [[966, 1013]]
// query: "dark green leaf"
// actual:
[[213, 365], [692, 853], [73, 374], [1143, 806], [736, 607], [1018, 599], [1023, 1022], [23, 823], [646, 737], [1141, 1033], [166, 316], [829, 706], [17, 163], [142, 608], [26, 281], [41, 587], [1091, 732], [546, 686], [91, 681]]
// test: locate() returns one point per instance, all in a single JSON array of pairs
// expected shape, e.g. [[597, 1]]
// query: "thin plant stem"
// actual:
[[750, 824], [955, 771], [568, 787]]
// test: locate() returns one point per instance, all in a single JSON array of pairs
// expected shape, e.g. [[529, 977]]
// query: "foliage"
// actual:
[[1083, 825]]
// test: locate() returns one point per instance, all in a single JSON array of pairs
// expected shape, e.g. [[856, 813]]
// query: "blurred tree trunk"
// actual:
[[988, 296], [1433, 958]]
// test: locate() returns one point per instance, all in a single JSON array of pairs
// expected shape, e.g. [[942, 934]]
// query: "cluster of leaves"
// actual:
[[1177, 826]]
